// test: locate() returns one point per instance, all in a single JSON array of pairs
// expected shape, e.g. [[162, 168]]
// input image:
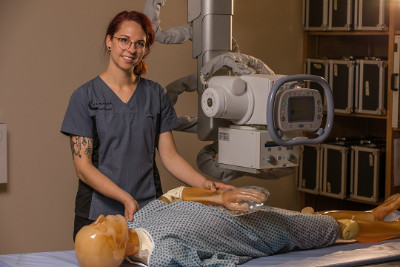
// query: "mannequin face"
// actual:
[[103, 242]]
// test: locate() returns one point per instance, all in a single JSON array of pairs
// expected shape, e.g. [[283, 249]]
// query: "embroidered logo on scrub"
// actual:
[[100, 105]]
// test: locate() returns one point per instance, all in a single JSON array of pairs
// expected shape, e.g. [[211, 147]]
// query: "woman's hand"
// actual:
[[131, 207], [233, 199], [216, 186]]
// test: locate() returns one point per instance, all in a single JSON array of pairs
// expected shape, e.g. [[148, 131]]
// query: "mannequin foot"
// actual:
[[348, 229], [388, 206]]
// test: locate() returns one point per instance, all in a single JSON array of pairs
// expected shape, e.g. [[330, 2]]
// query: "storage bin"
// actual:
[[371, 86], [340, 15], [315, 15], [335, 170], [309, 173], [371, 15], [319, 67], [342, 83], [395, 83], [367, 172]]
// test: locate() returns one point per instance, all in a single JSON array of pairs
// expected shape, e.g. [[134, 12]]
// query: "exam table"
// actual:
[[340, 254]]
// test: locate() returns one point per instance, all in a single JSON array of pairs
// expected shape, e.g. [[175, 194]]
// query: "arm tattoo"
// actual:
[[78, 143]]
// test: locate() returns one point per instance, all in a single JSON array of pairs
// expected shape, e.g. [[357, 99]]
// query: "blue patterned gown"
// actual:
[[192, 234]]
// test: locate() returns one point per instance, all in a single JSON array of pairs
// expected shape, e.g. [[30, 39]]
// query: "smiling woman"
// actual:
[[125, 28], [115, 122]]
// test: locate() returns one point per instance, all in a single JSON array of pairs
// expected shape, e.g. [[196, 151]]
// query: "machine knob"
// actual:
[[291, 158], [271, 159]]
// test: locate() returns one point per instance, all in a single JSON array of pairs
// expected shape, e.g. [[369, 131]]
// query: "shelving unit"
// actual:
[[339, 44]]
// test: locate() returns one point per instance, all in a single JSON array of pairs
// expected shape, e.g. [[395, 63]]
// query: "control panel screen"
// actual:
[[301, 109]]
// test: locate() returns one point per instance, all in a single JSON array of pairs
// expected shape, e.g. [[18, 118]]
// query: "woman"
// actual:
[[115, 122], [187, 233]]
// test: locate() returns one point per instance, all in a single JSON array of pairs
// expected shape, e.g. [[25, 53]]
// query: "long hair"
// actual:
[[147, 27]]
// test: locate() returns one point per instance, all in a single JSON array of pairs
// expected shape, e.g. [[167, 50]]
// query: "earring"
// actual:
[[109, 47]]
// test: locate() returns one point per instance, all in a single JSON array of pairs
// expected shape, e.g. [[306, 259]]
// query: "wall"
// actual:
[[49, 48]]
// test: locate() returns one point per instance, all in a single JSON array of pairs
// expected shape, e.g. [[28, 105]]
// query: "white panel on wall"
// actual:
[[3, 153]]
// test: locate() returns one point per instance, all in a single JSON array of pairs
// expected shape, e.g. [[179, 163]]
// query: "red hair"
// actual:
[[147, 27]]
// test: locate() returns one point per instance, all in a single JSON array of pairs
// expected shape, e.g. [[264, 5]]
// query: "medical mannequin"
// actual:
[[108, 240]]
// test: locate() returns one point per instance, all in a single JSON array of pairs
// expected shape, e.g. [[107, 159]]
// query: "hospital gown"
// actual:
[[192, 234]]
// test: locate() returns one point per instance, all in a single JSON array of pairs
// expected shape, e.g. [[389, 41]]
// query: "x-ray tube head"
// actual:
[[228, 98], [240, 99], [246, 101], [243, 100]]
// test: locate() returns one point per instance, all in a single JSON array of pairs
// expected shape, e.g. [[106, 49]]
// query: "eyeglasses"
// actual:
[[125, 44]]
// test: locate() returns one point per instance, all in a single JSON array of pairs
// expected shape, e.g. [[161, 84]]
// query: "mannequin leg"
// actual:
[[377, 230], [377, 214]]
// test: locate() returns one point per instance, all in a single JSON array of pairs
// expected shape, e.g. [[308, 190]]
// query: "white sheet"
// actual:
[[44, 259], [352, 254], [338, 255]]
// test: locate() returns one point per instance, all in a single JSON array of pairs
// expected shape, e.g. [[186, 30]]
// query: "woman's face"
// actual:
[[128, 45]]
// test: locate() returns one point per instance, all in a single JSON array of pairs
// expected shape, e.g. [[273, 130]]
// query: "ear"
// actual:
[[108, 40], [100, 219], [146, 52]]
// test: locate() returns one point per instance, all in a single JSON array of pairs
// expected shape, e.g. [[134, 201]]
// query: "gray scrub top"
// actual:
[[124, 140]]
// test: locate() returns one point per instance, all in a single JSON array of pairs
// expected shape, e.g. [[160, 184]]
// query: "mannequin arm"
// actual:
[[204, 196], [230, 199]]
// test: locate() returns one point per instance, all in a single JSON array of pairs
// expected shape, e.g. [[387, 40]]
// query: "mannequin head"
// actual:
[[102, 243]]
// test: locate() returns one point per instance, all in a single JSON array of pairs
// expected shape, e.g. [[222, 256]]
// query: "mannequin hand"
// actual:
[[214, 186], [233, 199], [131, 207]]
